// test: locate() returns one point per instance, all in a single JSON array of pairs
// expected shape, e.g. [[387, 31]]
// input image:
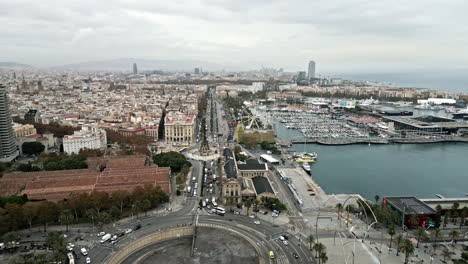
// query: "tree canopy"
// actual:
[[32, 148], [171, 159]]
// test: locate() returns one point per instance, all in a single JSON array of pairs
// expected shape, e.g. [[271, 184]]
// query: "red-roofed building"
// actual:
[[108, 174]]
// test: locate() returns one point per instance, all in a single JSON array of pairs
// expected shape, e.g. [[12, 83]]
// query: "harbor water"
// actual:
[[420, 170]]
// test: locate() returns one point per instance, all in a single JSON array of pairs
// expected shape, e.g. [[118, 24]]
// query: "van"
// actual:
[[84, 251], [105, 238], [272, 255]]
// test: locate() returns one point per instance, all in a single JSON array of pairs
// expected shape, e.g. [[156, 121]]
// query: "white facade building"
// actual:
[[89, 137]]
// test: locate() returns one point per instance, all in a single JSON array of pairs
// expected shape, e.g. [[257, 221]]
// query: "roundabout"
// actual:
[[212, 246], [254, 241]]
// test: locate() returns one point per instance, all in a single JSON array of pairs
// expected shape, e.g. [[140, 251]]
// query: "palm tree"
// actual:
[[377, 198], [319, 248], [436, 234], [413, 220], [323, 258], [407, 248], [439, 209], [398, 239], [463, 215], [446, 217], [349, 208], [420, 233], [454, 234], [339, 207], [454, 217], [311, 241], [391, 232]]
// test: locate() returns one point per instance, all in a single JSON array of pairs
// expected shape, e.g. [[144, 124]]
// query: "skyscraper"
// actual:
[[135, 69], [8, 148], [311, 70]]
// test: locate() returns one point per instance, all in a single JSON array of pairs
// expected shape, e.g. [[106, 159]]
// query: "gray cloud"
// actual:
[[336, 33]]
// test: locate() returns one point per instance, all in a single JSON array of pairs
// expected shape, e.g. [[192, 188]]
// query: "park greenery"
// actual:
[[32, 148], [269, 146], [55, 162], [176, 161], [98, 208]]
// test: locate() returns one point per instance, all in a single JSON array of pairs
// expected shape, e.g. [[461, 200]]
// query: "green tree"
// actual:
[[391, 232], [47, 212], [323, 258], [463, 215], [447, 216], [436, 235], [32, 148], [420, 234], [414, 221], [30, 212], [310, 240], [27, 167], [176, 161], [11, 237], [377, 198], [408, 248], [120, 197], [454, 234], [319, 248], [15, 216], [66, 218], [399, 239], [339, 208], [56, 241], [145, 206]]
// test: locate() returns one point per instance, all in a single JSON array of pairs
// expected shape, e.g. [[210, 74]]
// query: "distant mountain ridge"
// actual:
[[126, 64], [14, 65]]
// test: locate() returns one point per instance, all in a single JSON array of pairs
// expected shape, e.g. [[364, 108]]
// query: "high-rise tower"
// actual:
[[311, 70], [135, 68], [8, 147]]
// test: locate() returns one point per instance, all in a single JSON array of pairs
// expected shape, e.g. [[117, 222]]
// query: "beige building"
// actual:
[[24, 130], [179, 128]]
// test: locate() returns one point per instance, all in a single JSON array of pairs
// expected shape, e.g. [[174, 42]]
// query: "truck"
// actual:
[[105, 238]]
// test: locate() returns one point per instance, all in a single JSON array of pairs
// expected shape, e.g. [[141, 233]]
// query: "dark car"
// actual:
[[295, 255], [286, 237], [120, 234], [137, 227]]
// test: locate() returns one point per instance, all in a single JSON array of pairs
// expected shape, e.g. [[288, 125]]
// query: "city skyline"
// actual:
[[360, 35]]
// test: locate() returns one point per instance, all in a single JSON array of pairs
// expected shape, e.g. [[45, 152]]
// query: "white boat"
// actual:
[[313, 155], [306, 167]]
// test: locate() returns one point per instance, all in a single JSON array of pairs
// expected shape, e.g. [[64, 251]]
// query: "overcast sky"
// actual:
[[342, 35]]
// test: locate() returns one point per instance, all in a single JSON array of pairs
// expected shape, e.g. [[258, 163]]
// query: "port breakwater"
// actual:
[[337, 141]]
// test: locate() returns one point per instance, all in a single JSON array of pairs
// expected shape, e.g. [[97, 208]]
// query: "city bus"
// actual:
[[272, 255], [71, 259]]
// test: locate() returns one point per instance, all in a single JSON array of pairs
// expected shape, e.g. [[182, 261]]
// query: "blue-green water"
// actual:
[[420, 170]]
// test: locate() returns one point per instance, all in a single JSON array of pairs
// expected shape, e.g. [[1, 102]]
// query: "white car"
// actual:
[[128, 231], [285, 242], [282, 238], [88, 260], [114, 238], [257, 222], [101, 233], [252, 216]]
